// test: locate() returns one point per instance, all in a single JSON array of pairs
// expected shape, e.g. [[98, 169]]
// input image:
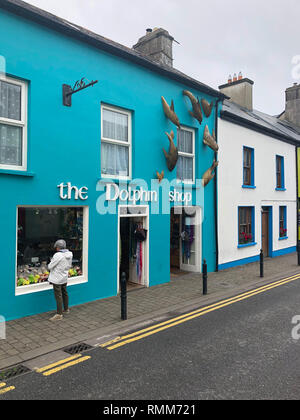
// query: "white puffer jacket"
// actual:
[[60, 266]]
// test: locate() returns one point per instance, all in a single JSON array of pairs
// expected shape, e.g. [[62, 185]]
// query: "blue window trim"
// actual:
[[253, 243], [252, 186], [283, 238], [247, 245], [282, 188]]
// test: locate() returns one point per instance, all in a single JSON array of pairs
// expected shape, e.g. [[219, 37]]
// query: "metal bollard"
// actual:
[[204, 271], [298, 251], [262, 275], [123, 297]]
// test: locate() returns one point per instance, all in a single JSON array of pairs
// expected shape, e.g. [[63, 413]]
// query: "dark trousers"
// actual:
[[61, 297]]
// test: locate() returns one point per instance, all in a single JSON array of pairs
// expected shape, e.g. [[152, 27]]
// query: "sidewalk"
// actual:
[[36, 335]]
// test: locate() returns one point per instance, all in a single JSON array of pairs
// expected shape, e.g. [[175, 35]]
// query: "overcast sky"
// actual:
[[217, 37]]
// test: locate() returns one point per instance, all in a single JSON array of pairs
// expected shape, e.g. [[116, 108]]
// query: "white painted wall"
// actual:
[[231, 195]]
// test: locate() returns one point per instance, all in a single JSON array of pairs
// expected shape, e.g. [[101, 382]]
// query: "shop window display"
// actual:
[[38, 230]]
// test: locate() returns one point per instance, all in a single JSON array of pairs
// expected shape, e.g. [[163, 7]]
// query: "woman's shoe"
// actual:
[[57, 317]]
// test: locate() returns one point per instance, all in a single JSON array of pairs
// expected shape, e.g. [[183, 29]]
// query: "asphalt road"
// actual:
[[242, 351]]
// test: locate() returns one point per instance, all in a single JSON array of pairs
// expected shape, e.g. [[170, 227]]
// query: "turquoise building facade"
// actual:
[[61, 149]]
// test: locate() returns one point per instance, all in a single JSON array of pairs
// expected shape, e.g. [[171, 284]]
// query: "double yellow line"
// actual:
[[62, 364], [4, 389], [139, 335]]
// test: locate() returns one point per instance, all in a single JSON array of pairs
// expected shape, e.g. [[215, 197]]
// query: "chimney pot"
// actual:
[[234, 77], [230, 79], [240, 76]]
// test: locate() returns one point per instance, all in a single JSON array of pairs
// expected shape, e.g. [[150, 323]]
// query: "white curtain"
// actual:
[[10, 101], [115, 126], [185, 141], [114, 159], [185, 169], [10, 145]]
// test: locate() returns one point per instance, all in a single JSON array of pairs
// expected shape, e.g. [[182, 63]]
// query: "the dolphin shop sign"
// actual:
[[134, 195]]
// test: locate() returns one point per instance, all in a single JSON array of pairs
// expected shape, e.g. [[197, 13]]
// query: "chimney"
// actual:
[[292, 108], [157, 45], [240, 91]]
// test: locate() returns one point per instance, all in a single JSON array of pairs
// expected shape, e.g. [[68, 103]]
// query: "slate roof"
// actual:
[[44, 18], [266, 124]]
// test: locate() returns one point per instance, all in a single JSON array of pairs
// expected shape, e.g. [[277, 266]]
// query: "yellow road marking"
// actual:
[[67, 365], [5, 390], [2, 385], [187, 317], [58, 363], [295, 277], [110, 342]]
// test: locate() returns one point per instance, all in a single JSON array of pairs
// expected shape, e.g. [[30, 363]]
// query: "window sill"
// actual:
[[247, 245], [17, 173], [284, 238], [36, 288], [249, 187], [280, 189]]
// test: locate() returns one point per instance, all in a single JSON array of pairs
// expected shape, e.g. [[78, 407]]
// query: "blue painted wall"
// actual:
[[64, 146]]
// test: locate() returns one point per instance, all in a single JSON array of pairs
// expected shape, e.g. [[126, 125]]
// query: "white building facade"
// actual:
[[257, 185]]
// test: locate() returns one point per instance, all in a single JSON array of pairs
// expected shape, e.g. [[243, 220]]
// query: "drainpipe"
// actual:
[[216, 191]]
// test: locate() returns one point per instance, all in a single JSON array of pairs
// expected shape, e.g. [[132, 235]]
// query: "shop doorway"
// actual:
[[185, 240], [133, 250]]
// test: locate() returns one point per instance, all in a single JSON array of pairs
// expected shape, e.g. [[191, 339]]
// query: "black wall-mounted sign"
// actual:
[[68, 91]]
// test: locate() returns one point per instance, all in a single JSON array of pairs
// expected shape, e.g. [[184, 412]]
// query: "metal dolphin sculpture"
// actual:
[[210, 140], [197, 112], [207, 108], [172, 156], [209, 174], [170, 112]]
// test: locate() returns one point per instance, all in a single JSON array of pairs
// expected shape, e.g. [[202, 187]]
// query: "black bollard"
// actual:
[[123, 297], [204, 271], [298, 251], [262, 275]]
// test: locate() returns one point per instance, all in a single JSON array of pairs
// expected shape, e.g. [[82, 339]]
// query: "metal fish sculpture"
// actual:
[[161, 176], [209, 174], [210, 140], [207, 108], [197, 112], [172, 156], [170, 112]]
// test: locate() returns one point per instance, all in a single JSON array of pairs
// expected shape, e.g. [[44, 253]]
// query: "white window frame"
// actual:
[[118, 142], [35, 288], [23, 123], [188, 155]]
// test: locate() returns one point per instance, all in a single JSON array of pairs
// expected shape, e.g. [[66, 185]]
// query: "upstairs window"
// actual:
[[186, 151], [116, 139], [280, 184], [13, 124], [248, 173]]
